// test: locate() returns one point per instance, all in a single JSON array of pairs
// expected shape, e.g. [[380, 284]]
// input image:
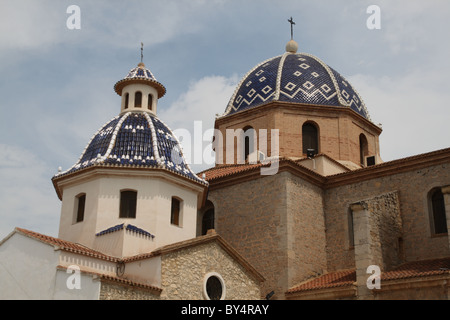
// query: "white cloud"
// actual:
[[411, 26], [203, 100], [30, 24], [412, 110], [39, 25], [27, 198]]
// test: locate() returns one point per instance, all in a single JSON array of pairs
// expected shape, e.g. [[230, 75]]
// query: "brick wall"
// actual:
[[339, 130]]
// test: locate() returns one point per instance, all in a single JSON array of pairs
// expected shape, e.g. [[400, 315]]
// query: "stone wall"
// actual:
[[115, 291], [306, 230], [412, 188], [183, 274], [277, 224], [377, 229], [386, 229], [249, 216]]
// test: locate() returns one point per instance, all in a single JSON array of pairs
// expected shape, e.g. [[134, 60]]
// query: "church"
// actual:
[[299, 204]]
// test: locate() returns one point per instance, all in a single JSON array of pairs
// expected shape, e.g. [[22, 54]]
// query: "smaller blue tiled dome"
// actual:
[[297, 78], [140, 74], [135, 139]]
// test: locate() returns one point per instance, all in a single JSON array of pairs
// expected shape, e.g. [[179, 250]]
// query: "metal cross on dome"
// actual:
[[291, 21], [142, 51]]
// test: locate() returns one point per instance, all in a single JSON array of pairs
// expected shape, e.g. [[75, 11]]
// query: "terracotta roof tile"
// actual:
[[232, 169], [124, 281], [330, 280], [227, 170], [66, 245], [416, 269], [130, 283], [342, 278]]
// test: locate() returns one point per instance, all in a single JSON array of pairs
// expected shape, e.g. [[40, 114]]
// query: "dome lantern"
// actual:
[[139, 90]]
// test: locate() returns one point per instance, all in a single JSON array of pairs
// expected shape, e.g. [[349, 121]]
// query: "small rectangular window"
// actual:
[[351, 231], [80, 207], [128, 201], [175, 212]]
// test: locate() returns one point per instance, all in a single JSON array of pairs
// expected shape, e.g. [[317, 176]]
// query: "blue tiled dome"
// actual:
[[143, 75], [135, 139], [297, 78]]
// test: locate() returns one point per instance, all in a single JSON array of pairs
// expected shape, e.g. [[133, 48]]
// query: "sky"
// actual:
[[57, 81]]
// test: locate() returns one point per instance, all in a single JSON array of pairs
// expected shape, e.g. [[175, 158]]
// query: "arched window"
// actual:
[[150, 102], [138, 99], [80, 205], [175, 212], [310, 137], [438, 215], [208, 221], [249, 141], [128, 201], [363, 149], [127, 96]]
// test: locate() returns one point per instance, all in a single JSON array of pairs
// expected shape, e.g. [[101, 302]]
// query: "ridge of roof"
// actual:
[[345, 278], [83, 250], [226, 171], [128, 282], [211, 237], [66, 245]]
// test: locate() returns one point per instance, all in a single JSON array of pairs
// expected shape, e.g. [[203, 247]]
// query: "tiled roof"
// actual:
[[297, 78], [227, 170], [130, 283], [378, 170], [129, 227], [418, 269], [343, 278], [223, 171], [330, 280], [127, 282], [140, 74], [66, 245], [134, 139]]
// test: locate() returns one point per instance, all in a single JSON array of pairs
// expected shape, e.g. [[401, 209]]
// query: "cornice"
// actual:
[[243, 173]]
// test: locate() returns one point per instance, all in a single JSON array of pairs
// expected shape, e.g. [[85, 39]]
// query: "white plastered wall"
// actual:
[[146, 90], [28, 271], [153, 211]]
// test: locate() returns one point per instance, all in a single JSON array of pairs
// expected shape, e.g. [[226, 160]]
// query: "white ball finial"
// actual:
[[292, 46]]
